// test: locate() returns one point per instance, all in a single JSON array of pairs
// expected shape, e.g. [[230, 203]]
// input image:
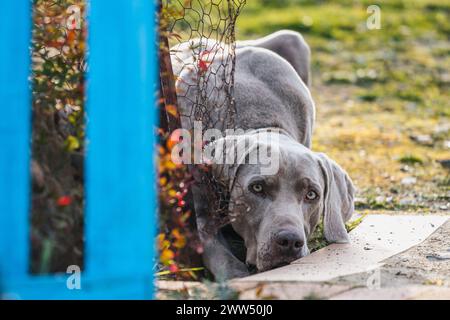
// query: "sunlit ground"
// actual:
[[382, 96]]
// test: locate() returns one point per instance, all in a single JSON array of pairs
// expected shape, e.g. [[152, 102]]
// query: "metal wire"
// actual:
[[201, 36]]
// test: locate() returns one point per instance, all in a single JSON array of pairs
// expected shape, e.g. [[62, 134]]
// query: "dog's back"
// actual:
[[268, 91]]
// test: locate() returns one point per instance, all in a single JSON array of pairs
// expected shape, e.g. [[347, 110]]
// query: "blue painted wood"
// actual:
[[121, 206], [54, 287], [14, 138], [120, 174]]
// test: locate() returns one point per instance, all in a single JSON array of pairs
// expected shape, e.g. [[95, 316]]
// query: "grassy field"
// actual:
[[382, 96]]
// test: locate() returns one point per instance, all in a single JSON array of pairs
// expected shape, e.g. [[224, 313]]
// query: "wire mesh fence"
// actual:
[[201, 37]]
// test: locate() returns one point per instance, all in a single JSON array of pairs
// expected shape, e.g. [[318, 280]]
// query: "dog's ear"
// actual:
[[338, 204]]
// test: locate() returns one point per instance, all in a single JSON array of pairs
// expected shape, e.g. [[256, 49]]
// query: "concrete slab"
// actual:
[[287, 291], [377, 238], [178, 285]]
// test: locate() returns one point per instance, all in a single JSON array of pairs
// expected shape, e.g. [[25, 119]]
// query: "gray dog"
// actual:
[[273, 215]]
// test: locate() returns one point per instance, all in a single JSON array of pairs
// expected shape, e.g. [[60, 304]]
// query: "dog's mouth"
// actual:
[[278, 261], [278, 264], [281, 264]]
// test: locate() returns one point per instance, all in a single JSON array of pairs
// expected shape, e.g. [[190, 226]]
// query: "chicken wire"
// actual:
[[198, 39]]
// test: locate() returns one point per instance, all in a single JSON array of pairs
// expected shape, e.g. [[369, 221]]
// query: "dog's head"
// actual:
[[275, 212]]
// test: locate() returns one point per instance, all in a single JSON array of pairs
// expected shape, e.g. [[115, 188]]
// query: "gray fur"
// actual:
[[291, 46]]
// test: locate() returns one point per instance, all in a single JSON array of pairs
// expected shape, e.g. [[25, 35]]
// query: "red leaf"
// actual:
[[173, 268], [64, 201], [203, 65], [204, 62]]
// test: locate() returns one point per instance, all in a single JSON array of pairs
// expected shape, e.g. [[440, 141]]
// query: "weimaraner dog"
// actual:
[[273, 215]]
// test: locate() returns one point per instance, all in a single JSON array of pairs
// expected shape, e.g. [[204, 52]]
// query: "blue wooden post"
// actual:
[[120, 178], [15, 107], [121, 110]]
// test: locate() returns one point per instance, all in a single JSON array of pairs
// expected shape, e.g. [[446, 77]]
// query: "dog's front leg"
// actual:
[[221, 262], [216, 256]]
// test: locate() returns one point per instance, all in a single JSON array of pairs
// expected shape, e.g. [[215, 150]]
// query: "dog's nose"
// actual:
[[289, 242]]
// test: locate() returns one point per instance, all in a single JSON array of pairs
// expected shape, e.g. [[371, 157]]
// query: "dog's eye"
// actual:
[[256, 188], [311, 195]]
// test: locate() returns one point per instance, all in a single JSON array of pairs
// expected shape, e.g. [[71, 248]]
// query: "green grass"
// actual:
[[407, 60], [411, 160]]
